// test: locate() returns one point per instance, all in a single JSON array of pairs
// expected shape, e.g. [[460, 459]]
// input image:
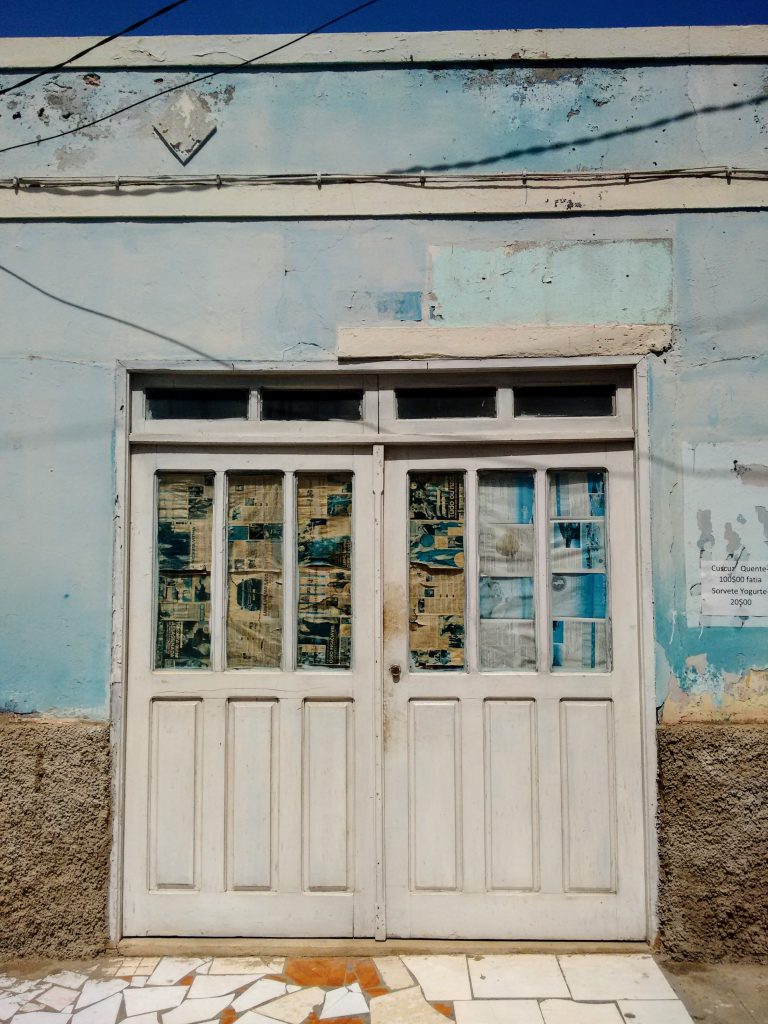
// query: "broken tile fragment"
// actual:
[[42, 1017], [440, 977], [57, 997], [69, 979], [393, 972], [104, 1012], [406, 1006], [295, 1007], [94, 991], [260, 992], [171, 969], [565, 1011], [606, 976], [330, 971], [206, 986], [246, 965], [517, 976], [365, 972], [195, 1011], [654, 1011], [498, 1011], [344, 1002], [147, 1000]]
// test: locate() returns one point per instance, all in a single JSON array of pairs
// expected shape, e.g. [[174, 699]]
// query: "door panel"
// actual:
[[511, 695], [250, 754]]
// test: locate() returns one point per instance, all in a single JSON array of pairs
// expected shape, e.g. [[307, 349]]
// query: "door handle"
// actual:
[[394, 671]]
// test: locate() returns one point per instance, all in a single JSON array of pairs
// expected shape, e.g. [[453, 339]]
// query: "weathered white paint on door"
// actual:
[[512, 800], [249, 792]]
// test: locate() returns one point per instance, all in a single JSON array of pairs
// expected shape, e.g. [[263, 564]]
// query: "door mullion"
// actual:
[[219, 574], [471, 572], [541, 580], [289, 572]]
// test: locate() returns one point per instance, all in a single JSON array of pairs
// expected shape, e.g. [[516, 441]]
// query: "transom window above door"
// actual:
[[492, 404]]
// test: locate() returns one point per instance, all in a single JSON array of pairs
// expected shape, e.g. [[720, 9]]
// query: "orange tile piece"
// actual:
[[125, 977], [227, 1016], [326, 971], [445, 1008], [314, 1019], [365, 973], [186, 980]]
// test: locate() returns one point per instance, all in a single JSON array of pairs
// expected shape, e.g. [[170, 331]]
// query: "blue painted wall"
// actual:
[[279, 290]]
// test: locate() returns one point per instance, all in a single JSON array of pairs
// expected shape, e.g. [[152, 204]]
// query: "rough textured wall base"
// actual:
[[713, 836], [55, 823]]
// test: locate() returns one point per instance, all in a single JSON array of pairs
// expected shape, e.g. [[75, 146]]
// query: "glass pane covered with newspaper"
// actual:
[[184, 548], [579, 573], [507, 632], [255, 570], [324, 579], [436, 570]]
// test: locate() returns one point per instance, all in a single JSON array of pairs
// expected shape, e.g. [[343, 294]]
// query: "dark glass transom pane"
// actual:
[[586, 400], [197, 403], [317, 405], [445, 403]]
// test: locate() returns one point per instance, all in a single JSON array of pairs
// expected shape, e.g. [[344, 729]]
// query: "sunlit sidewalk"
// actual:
[[424, 989]]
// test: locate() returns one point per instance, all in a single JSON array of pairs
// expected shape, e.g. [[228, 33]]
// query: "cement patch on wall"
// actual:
[[713, 841], [55, 820]]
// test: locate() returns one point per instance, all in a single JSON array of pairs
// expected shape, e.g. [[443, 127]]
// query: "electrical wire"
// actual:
[[193, 81], [518, 180], [90, 49]]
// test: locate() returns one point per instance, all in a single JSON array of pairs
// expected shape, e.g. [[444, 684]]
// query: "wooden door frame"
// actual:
[[121, 554]]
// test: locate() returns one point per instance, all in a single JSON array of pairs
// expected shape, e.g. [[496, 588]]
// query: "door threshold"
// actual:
[[175, 946]]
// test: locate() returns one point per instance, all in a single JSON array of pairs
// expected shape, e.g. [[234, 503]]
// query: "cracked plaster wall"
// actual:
[[279, 291], [255, 290]]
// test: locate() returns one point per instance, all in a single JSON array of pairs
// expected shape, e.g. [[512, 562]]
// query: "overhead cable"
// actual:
[[520, 179], [192, 81], [94, 46]]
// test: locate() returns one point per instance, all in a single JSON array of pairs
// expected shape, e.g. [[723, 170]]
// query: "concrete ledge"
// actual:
[[525, 340], [54, 823], [713, 842], [672, 42]]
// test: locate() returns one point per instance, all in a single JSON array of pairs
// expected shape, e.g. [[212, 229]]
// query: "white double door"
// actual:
[[375, 695]]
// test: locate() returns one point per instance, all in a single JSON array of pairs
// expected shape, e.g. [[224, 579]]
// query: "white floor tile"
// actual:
[[246, 965], [344, 1002], [294, 1008], [440, 977], [654, 1011], [139, 981], [603, 976], [58, 998], [172, 969], [498, 1011], [517, 976], [562, 1011], [94, 991], [406, 1006], [194, 1011], [206, 986], [10, 1004], [142, 1018], [69, 979], [254, 1017], [104, 1012], [148, 1000], [393, 972], [41, 1017], [260, 992]]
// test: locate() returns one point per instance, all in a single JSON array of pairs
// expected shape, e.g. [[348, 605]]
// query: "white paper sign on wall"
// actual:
[[734, 588]]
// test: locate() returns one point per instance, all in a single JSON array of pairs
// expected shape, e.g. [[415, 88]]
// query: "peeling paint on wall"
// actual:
[[556, 283]]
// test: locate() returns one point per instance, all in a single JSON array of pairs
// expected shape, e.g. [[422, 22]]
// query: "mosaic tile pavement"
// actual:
[[495, 989]]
